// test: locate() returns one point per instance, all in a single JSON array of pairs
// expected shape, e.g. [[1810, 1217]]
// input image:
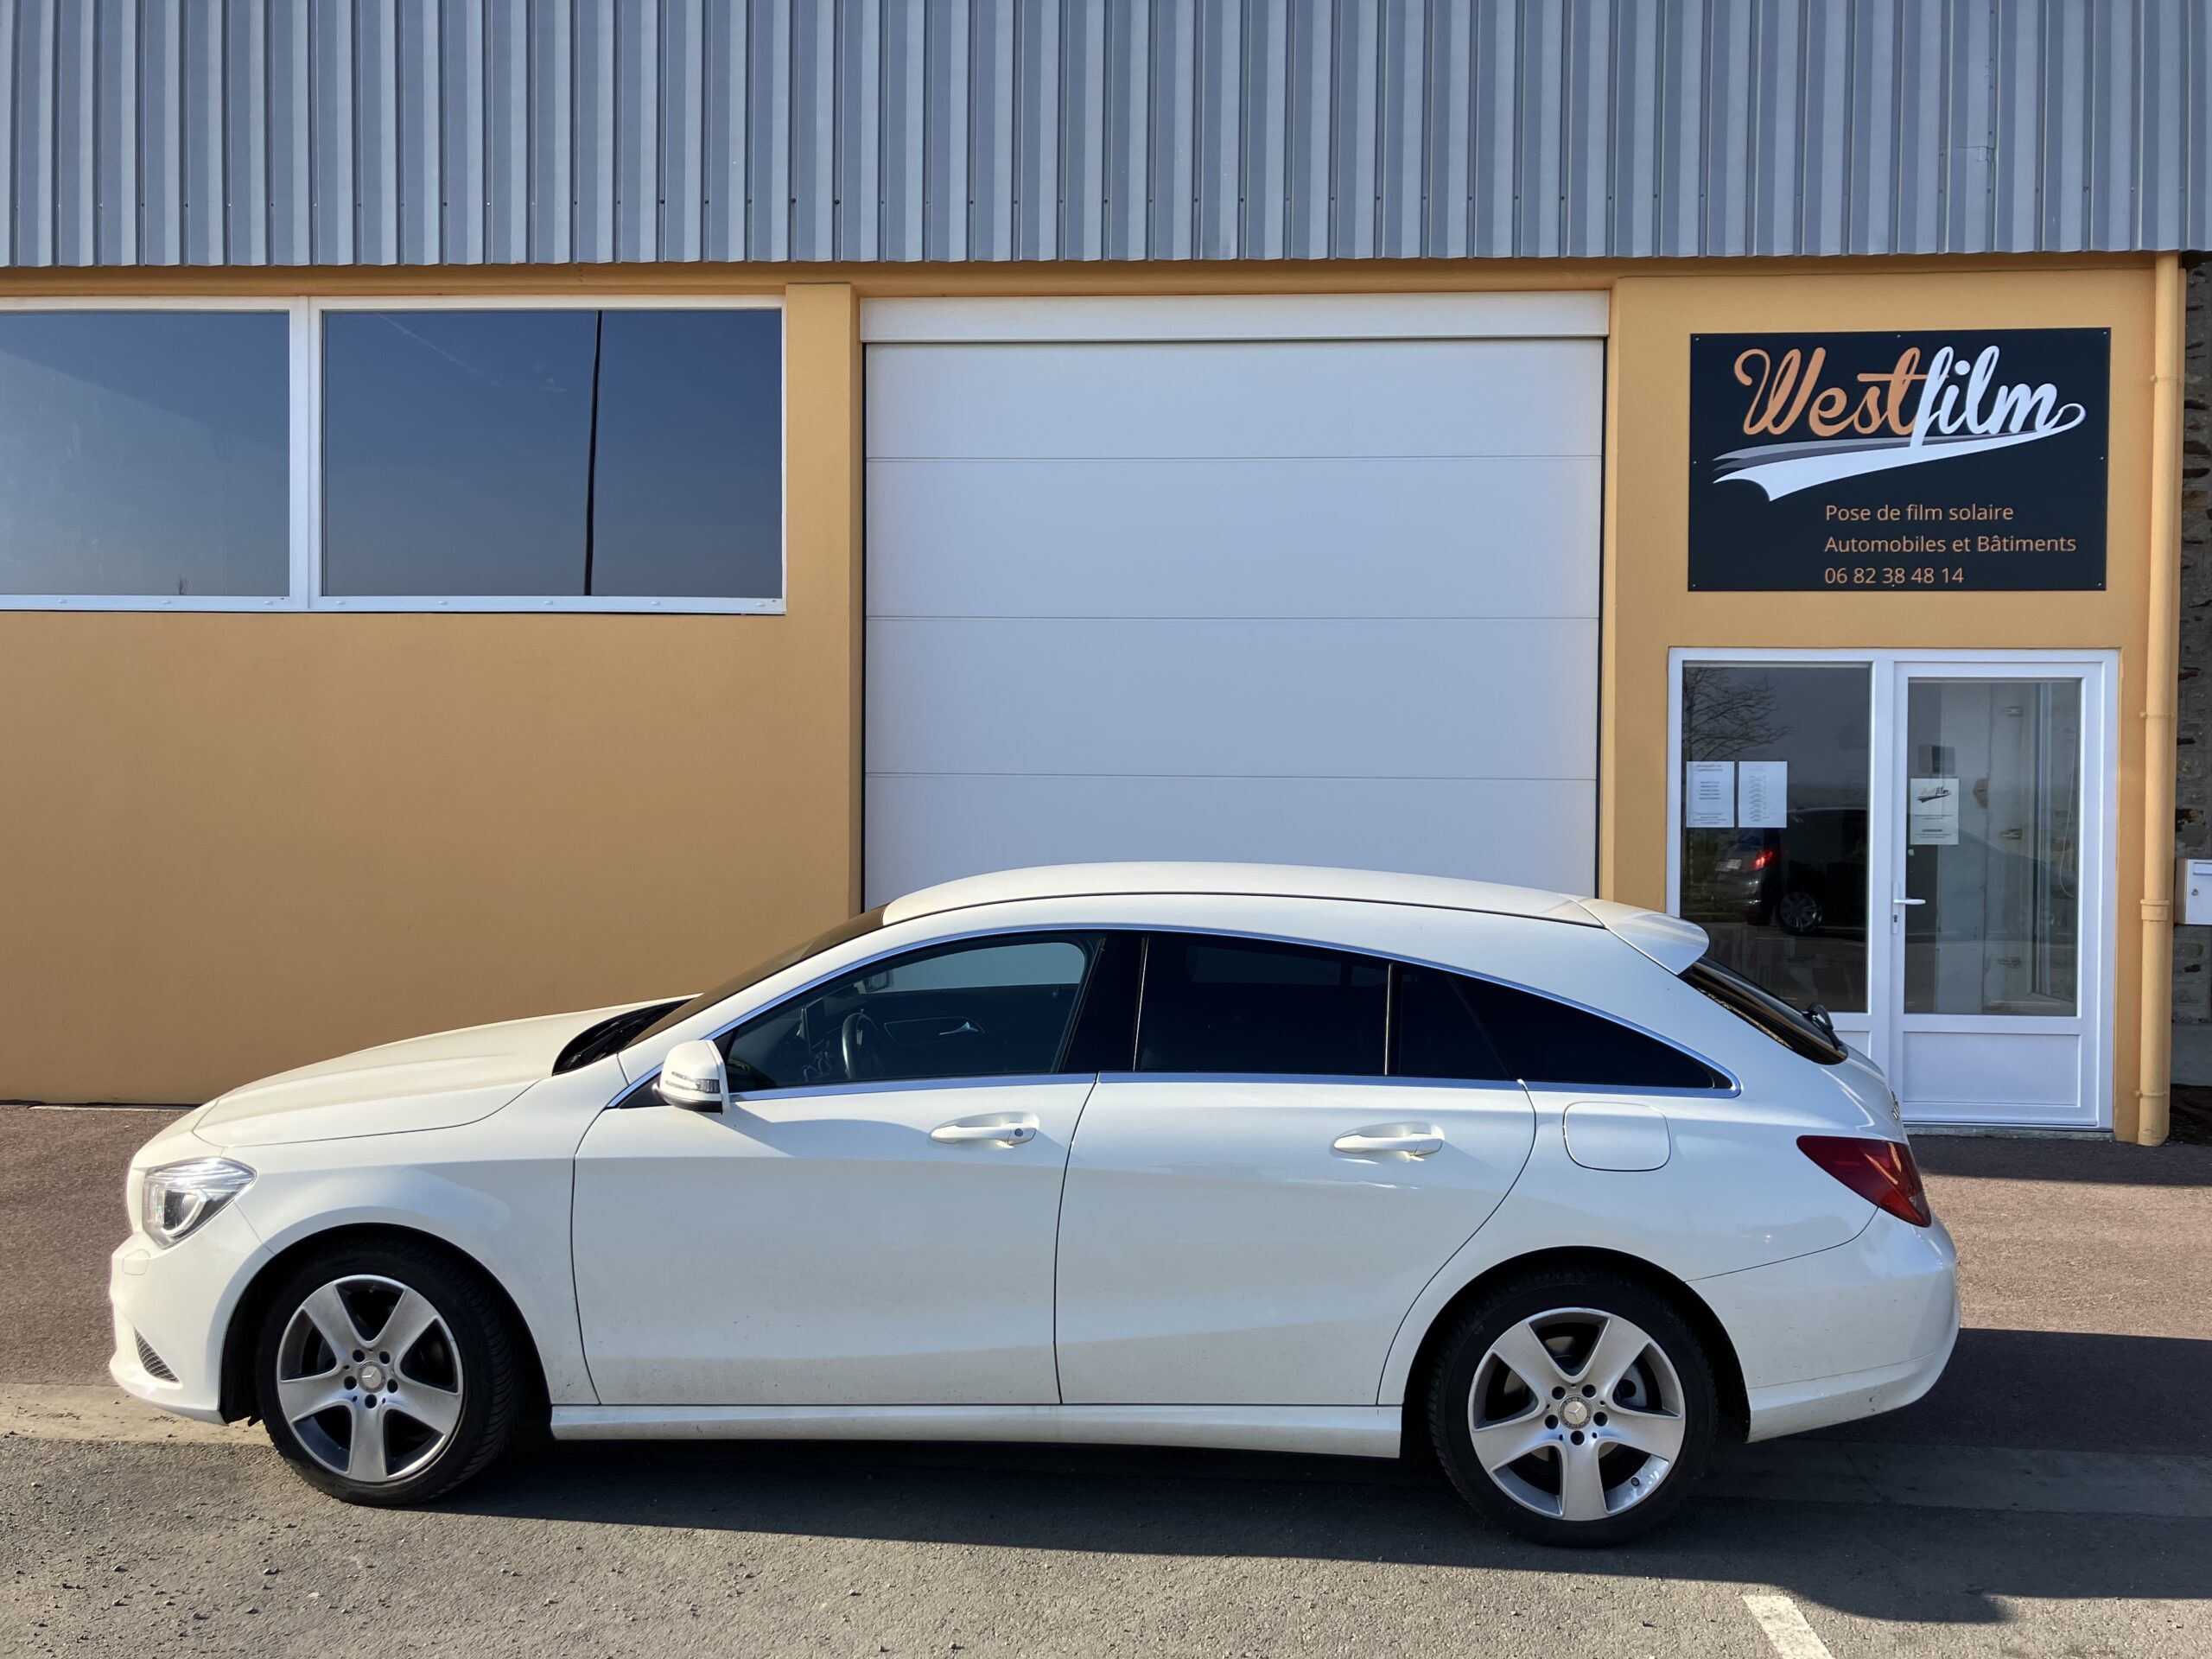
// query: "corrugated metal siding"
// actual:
[[248, 132]]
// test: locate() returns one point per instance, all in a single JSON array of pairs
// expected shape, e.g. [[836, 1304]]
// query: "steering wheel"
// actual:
[[861, 1041]]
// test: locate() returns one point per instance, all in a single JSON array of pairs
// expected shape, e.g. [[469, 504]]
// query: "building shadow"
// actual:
[[2093, 1162], [1876, 1560], [2032, 1389]]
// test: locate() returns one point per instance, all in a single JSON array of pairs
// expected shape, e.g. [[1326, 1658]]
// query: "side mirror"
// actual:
[[694, 1077]]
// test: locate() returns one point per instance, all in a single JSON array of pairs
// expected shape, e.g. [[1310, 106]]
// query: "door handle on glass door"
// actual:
[[1001, 1132], [1414, 1143], [1902, 899]]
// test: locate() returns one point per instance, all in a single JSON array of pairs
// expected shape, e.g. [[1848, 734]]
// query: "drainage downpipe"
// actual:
[[2161, 679]]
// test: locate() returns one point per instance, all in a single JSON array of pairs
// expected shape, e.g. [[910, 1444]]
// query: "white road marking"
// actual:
[[1786, 1629]]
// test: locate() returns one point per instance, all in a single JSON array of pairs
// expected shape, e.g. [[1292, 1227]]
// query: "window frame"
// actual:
[[859, 965], [1154, 935], [303, 405], [1729, 1088], [869, 967]]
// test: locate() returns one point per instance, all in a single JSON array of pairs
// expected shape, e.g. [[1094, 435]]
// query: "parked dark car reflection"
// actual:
[[1807, 878]]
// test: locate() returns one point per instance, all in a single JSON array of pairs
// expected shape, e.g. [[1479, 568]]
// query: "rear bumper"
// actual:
[[1843, 1334]]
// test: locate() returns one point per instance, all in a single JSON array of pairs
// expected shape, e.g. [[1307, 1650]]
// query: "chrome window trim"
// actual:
[[1329, 1080], [858, 968]]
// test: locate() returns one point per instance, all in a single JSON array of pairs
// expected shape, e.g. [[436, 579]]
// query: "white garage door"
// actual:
[[1298, 580]]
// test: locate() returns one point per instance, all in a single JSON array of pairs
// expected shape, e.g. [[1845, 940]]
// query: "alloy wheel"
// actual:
[[1576, 1413], [368, 1378]]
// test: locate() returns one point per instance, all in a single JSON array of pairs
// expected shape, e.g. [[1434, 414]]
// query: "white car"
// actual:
[[1219, 1155]]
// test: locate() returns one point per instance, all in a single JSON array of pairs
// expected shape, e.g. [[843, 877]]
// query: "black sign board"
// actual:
[[1913, 462]]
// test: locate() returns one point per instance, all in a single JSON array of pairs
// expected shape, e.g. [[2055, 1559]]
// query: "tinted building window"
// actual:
[[1774, 850], [553, 454], [689, 500], [144, 454], [1239, 1005]]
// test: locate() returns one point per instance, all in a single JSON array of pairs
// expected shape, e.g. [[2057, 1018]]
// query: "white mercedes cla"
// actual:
[[1175, 1154]]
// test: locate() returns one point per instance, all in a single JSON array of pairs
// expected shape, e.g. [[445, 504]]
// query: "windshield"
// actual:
[[1799, 1032], [852, 928]]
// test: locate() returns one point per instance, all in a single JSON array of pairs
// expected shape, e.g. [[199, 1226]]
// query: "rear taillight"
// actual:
[[1763, 857], [1880, 1171]]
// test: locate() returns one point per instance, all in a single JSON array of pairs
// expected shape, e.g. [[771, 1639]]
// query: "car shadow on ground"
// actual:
[[1829, 1546], [1873, 1560]]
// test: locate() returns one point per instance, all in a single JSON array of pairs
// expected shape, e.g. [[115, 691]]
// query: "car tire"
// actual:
[[424, 1395], [1564, 1459]]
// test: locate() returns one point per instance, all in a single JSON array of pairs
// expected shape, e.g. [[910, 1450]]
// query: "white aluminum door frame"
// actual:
[[1880, 1030]]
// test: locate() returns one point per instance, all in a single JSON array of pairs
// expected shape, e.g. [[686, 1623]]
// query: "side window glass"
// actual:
[[1435, 1032], [1241, 1005], [1549, 1044], [1105, 1033], [981, 1008]]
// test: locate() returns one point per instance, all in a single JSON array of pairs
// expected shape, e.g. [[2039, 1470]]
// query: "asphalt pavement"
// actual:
[[2052, 1495]]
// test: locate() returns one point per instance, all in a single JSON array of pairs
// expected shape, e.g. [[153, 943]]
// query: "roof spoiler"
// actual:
[[1672, 942]]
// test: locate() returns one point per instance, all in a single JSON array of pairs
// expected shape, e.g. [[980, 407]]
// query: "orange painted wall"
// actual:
[[239, 842]]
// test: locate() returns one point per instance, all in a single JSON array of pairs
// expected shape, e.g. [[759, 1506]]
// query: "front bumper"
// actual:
[[1843, 1334], [179, 1301]]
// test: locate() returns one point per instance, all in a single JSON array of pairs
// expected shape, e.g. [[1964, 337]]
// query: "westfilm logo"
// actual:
[[1958, 408]]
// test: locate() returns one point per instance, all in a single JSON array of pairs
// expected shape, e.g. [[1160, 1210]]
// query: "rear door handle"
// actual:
[[1000, 1131], [1414, 1143]]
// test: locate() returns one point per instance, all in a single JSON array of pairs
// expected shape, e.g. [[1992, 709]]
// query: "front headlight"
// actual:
[[177, 1197]]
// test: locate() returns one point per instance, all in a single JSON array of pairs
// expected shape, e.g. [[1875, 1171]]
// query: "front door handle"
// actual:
[[1902, 899], [1414, 1143], [1010, 1132]]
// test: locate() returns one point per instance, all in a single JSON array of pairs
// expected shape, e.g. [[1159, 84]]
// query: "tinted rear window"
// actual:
[[1242, 1006], [1453, 1026], [1799, 1032]]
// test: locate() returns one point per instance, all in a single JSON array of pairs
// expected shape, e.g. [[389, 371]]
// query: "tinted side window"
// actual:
[[981, 1008], [1105, 1033], [1435, 1032], [1241, 1005], [1549, 1044]]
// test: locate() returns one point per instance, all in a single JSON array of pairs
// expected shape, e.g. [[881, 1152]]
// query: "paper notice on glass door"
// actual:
[[1931, 812], [1709, 795], [1763, 794]]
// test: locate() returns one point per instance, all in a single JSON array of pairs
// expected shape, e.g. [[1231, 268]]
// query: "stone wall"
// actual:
[[2193, 786]]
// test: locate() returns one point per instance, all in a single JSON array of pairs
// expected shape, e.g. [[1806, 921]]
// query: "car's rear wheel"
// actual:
[[386, 1373], [1574, 1408]]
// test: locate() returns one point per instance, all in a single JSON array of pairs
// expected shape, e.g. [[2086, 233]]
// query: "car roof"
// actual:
[[1265, 880]]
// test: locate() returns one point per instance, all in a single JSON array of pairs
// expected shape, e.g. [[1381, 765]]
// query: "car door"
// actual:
[[1253, 1207], [872, 1220]]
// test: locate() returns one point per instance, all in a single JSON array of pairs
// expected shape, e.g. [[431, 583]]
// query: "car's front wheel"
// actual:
[[1574, 1408], [385, 1373]]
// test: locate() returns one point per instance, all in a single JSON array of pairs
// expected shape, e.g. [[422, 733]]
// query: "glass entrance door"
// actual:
[[1993, 832], [1921, 846]]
